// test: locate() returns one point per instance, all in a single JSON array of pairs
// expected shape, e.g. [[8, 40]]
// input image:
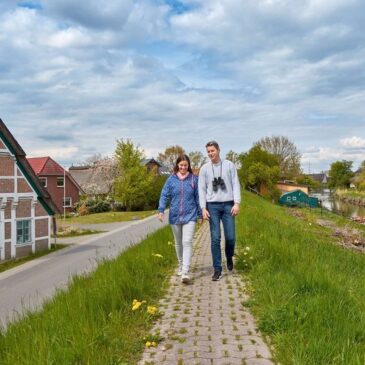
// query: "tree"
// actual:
[[134, 183], [259, 167], [307, 180], [340, 174], [359, 178], [233, 157], [197, 159], [286, 153], [169, 157]]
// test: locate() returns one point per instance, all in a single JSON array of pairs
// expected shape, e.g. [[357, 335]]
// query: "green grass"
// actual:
[[307, 293], [7, 265], [92, 322], [107, 217]]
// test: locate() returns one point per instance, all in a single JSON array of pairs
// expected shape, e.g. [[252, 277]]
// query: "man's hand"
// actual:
[[205, 214], [235, 209], [200, 221], [160, 216]]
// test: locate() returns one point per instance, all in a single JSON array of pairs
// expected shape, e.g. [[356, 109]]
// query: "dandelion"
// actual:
[[157, 255], [151, 310], [148, 344], [154, 344], [169, 243], [136, 305]]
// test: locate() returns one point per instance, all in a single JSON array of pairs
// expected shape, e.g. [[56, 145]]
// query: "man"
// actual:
[[219, 198]]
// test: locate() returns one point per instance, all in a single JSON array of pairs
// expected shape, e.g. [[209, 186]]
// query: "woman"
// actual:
[[181, 192]]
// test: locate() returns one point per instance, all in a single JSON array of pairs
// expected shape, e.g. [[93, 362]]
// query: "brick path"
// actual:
[[205, 322]]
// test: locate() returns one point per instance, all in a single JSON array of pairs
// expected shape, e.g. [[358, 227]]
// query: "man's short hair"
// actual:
[[212, 143]]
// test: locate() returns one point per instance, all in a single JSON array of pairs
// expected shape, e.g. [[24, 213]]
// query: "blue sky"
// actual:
[[75, 76]]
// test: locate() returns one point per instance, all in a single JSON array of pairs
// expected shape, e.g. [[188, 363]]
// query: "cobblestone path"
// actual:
[[205, 322]]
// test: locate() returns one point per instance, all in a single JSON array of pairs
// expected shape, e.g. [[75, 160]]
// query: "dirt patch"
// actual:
[[347, 237]]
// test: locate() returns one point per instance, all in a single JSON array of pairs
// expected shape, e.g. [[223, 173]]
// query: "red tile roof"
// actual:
[[45, 166]]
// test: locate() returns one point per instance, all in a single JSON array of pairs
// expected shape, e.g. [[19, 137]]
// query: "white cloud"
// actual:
[[60, 153], [353, 142]]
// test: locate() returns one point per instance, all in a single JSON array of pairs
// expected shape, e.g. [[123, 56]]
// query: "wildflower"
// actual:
[[154, 344], [169, 243], [151, 310], [136, 305], [245, 253], [247, 248], [251, 258], [157, 255], [148, 344]]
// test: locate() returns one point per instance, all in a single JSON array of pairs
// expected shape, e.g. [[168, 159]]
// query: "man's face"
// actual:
[[213, 154]]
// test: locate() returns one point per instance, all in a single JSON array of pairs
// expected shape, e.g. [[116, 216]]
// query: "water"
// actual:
[[337, 206]]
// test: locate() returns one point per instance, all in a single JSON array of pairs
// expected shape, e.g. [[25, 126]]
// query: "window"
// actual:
[[288, 198], [43, 181], [294, 198], [60, 182], [23, 231], [67, 202]]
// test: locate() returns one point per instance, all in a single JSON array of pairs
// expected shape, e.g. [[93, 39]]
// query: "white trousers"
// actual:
[[183, 234]]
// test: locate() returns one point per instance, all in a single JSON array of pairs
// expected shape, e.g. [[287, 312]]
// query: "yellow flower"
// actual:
[[151, 310], [136, 305], [154, 344], [169, 243], [157, 255], [148, 344], [247, 248]]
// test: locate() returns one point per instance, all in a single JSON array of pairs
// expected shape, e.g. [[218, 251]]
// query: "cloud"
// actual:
[[55, 152], [353, 143], [80, 75]]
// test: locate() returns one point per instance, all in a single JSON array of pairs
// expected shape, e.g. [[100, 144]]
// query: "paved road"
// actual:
[[27, 286]]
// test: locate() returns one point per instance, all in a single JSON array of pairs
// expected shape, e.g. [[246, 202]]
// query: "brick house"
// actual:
[[59, 183], [26, 208]]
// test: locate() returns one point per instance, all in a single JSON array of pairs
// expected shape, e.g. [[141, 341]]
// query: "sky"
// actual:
[[75, 76]]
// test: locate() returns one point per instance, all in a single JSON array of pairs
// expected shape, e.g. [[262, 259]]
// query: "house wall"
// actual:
[[57, 193], [284, 188], [19, 201]]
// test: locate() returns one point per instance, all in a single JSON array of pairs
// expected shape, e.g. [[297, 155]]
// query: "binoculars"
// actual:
[[218, 181]]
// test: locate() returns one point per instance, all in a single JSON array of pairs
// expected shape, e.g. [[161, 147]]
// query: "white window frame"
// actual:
[[29, 233], [63, 181], [43, 181], [65, 200]]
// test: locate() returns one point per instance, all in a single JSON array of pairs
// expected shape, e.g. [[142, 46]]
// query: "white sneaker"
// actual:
[[179, 271], [185, 278]]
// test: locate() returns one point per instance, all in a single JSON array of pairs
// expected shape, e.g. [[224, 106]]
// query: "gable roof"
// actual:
[[45, 166], [23, 164]]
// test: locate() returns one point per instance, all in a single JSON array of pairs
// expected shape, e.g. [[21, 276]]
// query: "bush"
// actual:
[[92, 205]]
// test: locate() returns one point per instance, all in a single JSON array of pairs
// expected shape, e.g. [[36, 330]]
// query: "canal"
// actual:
[[337, 206]]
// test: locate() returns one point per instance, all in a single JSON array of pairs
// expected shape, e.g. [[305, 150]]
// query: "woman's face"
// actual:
[[183, 167]]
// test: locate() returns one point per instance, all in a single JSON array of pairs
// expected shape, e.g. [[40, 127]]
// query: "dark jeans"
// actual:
[[221, 212]]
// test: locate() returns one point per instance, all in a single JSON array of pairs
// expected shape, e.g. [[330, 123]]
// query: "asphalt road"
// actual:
[[27, 286]]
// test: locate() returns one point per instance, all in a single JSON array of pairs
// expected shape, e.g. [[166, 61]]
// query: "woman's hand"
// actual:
[[160, 216]]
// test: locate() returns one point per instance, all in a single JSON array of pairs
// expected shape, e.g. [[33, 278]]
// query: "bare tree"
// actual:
[[169, 157], [197, 159], [286, 152], [234, 157]]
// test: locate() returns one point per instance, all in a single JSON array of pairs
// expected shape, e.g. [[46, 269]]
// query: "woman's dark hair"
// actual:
[[182, 158]]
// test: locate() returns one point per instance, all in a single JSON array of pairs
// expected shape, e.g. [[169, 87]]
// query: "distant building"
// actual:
[[153, 164], [62, 187], [26, 208], [322, 177], [284, 187]]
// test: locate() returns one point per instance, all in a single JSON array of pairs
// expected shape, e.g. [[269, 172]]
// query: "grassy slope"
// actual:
[[308, 294], [93, 322]]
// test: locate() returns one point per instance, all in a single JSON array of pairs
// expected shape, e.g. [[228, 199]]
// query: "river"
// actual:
[[337, 206]]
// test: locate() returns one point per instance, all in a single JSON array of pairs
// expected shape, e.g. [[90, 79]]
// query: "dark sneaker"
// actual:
[[229, 263], [217, 275]]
